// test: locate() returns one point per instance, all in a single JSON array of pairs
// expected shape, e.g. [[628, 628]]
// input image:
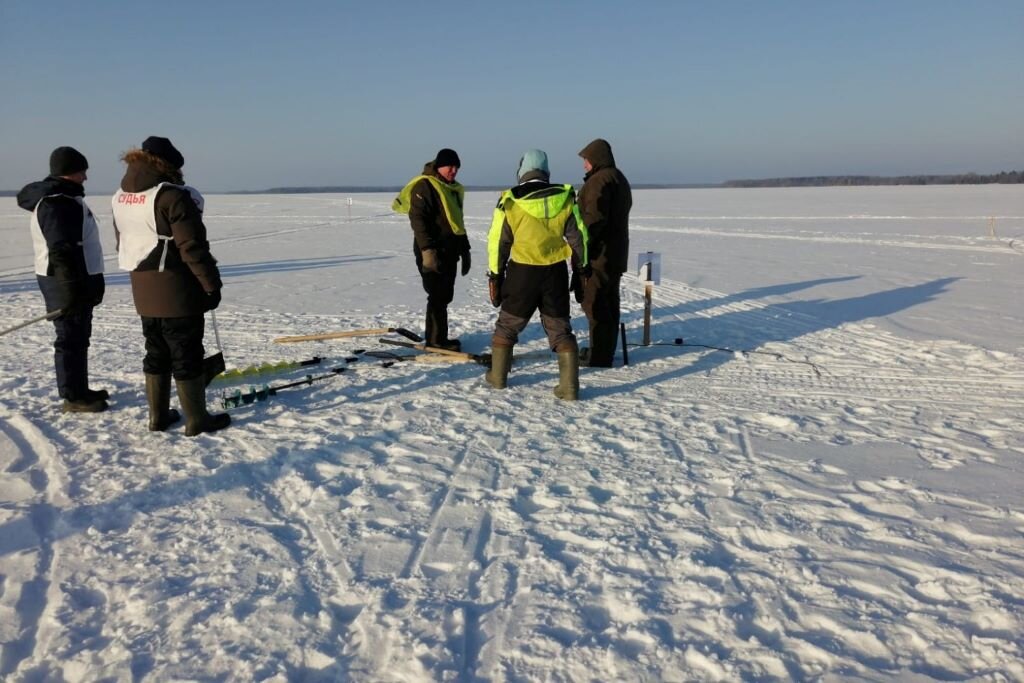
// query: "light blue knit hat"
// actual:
[[533, 160]]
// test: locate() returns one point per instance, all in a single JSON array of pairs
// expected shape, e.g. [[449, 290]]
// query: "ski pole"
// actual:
[[47, 316], [216, 332]]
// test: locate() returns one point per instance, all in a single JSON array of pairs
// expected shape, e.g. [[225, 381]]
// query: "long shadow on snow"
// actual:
[[746, 330], [691, 307], [535, 332]]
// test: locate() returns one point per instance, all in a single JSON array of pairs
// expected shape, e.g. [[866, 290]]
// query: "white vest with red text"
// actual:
[[90, 243], [135, 225]]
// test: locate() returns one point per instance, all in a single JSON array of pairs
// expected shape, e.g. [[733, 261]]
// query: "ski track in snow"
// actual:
[[700, 515]]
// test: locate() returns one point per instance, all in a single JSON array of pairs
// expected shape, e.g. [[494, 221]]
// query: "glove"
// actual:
[[494, 289], [212, 300], [429, 261], [465, 262], [578, 283], [73, 296]]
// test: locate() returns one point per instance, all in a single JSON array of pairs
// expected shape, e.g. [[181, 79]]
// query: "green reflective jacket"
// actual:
[[538, 225], [451, 194]]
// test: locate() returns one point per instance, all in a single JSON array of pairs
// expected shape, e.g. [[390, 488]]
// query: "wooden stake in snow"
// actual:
[[649, 269]]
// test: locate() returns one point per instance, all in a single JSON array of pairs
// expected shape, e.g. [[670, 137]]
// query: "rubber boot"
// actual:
[[501, 361], [158, 396], [91, 394], [192, 395], [84, 405], [603, 340], [568, 388]]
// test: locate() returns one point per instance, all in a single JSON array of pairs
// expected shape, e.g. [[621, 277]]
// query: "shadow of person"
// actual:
[[691, 307], [752, 328]]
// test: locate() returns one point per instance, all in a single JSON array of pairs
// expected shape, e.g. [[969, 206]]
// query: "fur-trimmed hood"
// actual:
[[146, 170]]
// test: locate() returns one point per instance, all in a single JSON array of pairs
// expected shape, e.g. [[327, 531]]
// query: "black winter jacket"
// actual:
[[605, 200], [67, 280], [430, 226]]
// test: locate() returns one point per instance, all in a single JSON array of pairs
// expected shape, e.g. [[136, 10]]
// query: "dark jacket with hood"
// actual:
[[61, 218], [605, 200], [430, 226], [190, 270]]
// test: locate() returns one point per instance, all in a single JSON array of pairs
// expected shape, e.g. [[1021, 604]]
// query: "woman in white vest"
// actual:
[[175, 280], [69, 270]]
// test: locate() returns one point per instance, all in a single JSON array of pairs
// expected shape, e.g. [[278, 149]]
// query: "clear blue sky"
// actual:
[[267, 93]]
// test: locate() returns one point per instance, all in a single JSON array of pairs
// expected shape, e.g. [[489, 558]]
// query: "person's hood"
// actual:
[[599, 154], [30, 195], [146, 170]]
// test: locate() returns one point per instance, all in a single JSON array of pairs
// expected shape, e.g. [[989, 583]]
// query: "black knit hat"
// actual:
[[67, 161], [447, 157], [162, 147]]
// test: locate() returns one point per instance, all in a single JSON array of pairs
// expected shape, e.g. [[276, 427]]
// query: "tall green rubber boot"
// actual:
[[158, 397], [192, 394], [568, 388], [501, 361]]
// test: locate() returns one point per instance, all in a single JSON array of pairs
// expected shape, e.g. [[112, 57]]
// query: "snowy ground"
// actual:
[[851, 508]]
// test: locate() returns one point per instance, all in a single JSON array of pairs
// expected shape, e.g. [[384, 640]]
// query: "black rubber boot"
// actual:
[[501, 361], [84, 405], [158, 396], [568, 388], [603, 340], [192, 395], [87, 393]]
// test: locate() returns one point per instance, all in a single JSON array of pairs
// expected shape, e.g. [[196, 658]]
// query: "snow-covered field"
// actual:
[[846, 504]]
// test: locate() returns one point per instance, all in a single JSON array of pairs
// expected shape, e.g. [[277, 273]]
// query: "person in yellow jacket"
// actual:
[[434, 202], [535, 229]]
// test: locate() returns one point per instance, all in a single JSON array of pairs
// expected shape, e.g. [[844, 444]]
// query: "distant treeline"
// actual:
[[823, 181], [1006, 177]]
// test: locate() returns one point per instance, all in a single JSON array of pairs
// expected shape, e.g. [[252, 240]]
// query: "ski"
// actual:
[[350, 333]]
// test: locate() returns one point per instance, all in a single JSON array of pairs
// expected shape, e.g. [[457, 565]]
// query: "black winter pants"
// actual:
[[71, 345], [174, 345], [601, 304], [71, 353], [440, 289], [527, 289]]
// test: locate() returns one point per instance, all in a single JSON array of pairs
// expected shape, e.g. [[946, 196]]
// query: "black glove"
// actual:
[[429, 261], [465, 262], [73, 293], [494, 289], [212, 300]]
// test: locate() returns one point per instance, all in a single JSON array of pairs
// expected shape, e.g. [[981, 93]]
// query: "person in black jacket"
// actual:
[[605, 201], [434, 202], [69, 270]]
